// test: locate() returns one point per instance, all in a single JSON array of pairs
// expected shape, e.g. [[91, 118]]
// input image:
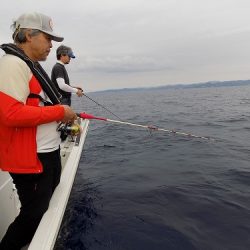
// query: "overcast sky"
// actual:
[[135, 43]]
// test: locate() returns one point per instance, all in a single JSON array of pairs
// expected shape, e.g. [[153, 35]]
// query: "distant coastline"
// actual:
[[209, 84]]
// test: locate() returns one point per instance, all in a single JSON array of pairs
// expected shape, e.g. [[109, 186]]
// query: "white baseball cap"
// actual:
[[37, 21]]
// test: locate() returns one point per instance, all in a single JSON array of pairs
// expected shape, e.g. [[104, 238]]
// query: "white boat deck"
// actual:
[[49, 226]]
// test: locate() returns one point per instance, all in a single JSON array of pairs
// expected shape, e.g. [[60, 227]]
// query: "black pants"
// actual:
[[34, 191]]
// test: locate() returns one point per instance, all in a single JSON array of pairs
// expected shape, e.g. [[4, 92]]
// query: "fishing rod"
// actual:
[[102, 106], [92, 117]]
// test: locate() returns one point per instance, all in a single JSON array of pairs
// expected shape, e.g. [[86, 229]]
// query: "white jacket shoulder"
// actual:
[[14, 77]]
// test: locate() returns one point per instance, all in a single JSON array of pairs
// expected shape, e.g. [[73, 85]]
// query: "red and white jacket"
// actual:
[[20, 116]]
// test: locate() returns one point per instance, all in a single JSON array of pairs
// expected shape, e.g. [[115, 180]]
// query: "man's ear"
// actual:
[[28, 35]]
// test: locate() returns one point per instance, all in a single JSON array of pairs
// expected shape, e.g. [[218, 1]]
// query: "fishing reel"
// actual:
[[68, 129]]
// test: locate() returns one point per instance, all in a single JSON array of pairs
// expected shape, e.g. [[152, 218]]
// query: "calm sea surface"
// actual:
[[136, 190]]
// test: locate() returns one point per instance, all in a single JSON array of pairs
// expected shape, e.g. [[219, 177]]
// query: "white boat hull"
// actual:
[[49, 226]]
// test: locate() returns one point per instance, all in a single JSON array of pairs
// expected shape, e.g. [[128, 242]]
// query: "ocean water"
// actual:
[[142, 190]]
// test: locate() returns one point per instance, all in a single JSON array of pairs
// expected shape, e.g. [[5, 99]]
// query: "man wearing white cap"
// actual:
[[30, 111], [59, 75]]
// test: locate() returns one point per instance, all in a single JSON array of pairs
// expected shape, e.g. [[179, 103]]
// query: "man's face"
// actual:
[[40, 46], [65, 59]]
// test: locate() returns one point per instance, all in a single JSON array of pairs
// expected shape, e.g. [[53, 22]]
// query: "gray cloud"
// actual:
[[120, 64], [124, 43]]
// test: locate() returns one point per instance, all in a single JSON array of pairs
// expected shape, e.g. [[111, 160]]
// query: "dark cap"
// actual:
[[65, 50]]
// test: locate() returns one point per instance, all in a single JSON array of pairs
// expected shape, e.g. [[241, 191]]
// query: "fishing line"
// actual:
[[102, 106], [150, 128]]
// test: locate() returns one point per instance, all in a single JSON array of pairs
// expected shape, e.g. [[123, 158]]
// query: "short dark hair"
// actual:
[[63, 50], [19, 35]]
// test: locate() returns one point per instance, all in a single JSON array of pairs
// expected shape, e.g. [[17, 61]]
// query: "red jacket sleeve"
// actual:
[[16, 114]]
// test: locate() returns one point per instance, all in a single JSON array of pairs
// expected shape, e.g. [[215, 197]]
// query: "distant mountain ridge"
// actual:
[[209, 84]]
